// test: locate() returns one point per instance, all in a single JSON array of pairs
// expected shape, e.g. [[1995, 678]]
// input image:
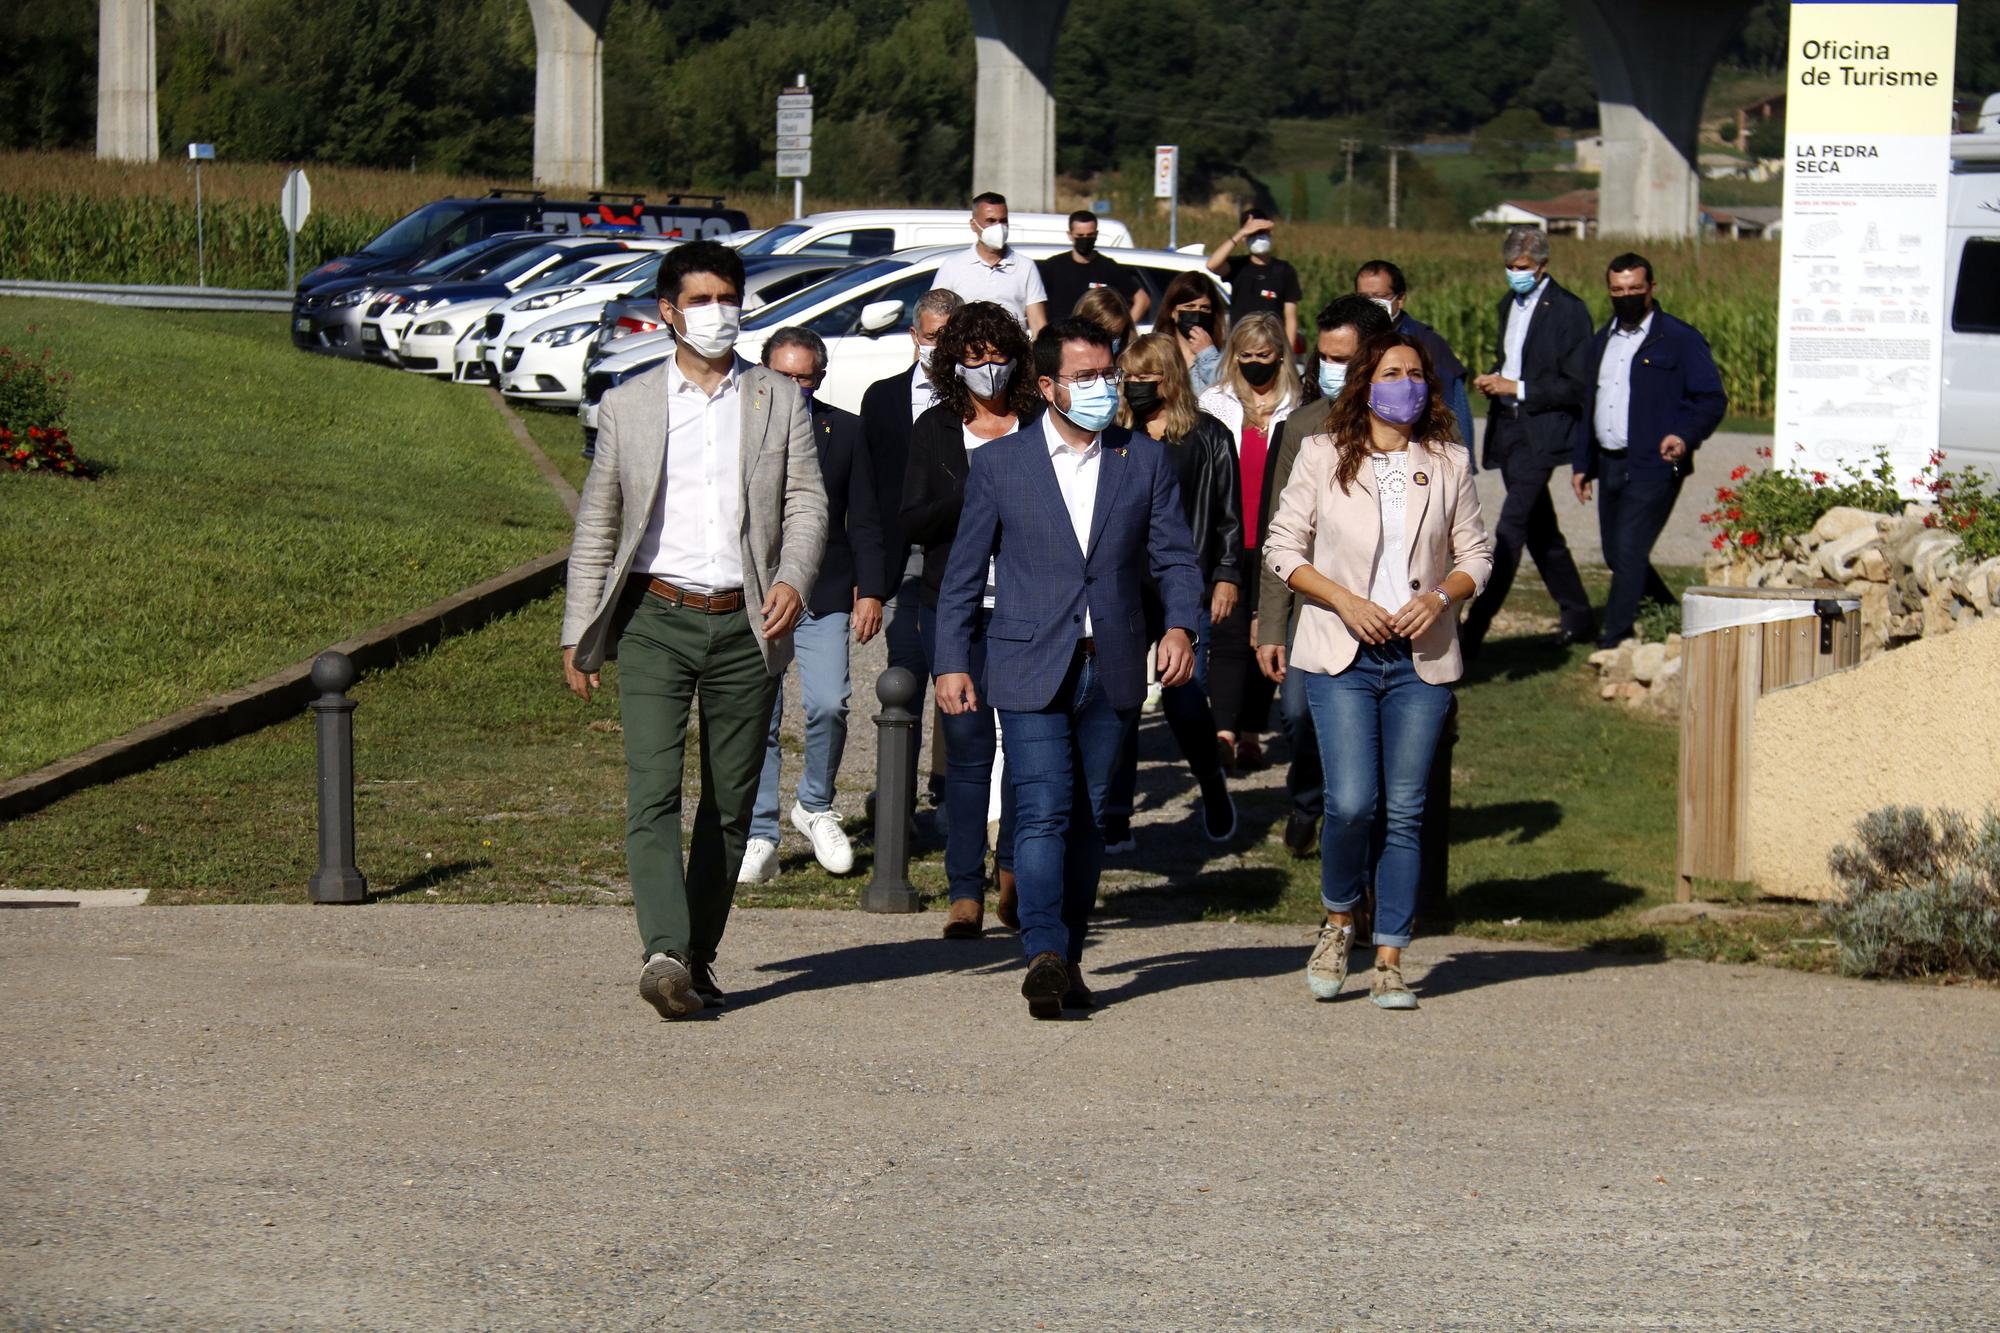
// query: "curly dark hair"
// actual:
[[1349, 421], [982, 326]]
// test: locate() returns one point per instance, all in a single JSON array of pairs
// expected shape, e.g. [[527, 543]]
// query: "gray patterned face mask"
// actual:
[[988, 381]]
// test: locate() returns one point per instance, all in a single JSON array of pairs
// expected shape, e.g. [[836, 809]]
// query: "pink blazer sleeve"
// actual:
[[1471, 546]]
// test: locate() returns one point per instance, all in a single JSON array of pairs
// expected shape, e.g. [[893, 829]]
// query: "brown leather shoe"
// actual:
[[966, 920], [1077, 995], [1008, 908], [1045, 984], [1250, 755]]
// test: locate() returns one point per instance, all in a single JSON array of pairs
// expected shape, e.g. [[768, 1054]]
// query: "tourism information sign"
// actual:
[[1861, 292]]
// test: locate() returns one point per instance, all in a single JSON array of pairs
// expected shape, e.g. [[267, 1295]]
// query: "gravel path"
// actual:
[[443, 1118]]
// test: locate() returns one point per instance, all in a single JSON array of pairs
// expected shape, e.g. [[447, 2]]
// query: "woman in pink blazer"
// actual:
[[1378, 532]]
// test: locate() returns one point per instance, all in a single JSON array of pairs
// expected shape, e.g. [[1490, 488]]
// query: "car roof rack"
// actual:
[[525, 194], [683, 197], [600, 196]]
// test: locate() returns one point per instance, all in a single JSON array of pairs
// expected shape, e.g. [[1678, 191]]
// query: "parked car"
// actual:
[[583, 282], [1971, 397], [545, 361], [526, 268], [446, 225], [872, 233], [328, 318], [864, 315]]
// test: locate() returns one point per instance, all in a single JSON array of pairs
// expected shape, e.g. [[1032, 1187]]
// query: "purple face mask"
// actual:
[[1398, 401]]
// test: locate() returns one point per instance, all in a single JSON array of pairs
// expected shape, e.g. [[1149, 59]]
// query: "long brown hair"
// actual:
[[1191, 286], [1349, 420], [1105, 307], [1155, 354], [984, 327]]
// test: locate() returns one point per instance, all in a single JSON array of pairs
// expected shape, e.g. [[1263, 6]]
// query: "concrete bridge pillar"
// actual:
[[1651, 60], [1014, 131], [569, 91], [128, 102]]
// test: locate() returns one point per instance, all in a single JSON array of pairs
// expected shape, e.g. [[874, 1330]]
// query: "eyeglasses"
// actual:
[[1089, 377], [811, 381]]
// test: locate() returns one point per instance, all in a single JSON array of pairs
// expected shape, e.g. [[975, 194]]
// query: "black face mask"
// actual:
[[1258, 373], [1143, 399], [1085, 245], [1190, 320], [1630, 309]]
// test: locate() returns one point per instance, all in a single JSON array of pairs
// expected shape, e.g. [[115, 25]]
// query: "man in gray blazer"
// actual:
[[702, 519]]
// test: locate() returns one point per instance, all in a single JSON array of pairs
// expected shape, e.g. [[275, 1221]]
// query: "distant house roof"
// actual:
[[1763, 106], [1576, 206], [1761, 214]]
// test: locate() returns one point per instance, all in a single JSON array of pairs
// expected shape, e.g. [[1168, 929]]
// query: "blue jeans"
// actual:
[[1305, 781], [1388, 720], [970, 744], [1059, 765], [820, 644], [1188, 717]]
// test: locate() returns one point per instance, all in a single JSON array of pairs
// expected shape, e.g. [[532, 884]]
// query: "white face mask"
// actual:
[[924, 351], [1260, 245], [1388, 305], [712, 328], [994, 236]]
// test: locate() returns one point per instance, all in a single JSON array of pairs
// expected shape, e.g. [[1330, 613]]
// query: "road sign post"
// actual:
[[295, 203], [199, 153], [795, 123], [1167, 186]]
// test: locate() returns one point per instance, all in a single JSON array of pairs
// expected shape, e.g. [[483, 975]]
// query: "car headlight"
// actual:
[[565, 335], [543, 300], [348, 300], [437, 328]]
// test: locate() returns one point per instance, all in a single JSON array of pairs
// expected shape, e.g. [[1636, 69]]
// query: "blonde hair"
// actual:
[[1157, 354], [1105, 307], [1255, 333]]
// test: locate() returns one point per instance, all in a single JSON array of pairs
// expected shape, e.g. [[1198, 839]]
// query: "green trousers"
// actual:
[[668, 656]]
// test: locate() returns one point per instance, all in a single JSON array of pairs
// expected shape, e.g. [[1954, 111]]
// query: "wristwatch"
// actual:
[[1443, 596]]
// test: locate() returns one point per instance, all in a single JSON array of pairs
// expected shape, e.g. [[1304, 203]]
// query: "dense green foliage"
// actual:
[[449, 84], [256, 505]]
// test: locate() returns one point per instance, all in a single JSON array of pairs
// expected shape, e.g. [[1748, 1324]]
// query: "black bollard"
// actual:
[[889, 886], [337, 880]]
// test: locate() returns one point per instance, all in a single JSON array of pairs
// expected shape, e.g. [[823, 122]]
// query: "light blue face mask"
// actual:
[[1092, 406], [1332, 377], [1521, 281]]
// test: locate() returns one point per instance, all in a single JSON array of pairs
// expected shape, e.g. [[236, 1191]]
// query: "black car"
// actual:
[[326, 318], [436, 229]]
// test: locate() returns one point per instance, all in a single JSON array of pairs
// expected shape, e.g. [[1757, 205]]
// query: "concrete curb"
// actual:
[[550, 472], [237, 712], [17, 898]]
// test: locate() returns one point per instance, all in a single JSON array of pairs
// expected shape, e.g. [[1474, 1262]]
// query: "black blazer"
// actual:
[[885, 422], [1555, 365], [934, 489], [1204, 463], [853, 555]]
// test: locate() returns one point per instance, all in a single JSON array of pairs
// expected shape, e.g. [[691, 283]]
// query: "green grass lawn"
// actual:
[[560, 435], [480, 779], [258, 504]]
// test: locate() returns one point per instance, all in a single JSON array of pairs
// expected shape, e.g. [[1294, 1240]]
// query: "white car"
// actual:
[[874, 233], [428, 345], [1971, 400], [864, 314], [576, 289]]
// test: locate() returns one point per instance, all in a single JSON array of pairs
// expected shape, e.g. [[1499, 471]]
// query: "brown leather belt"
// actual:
[[714, 604]]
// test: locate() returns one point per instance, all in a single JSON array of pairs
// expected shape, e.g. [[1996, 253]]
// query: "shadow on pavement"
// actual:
[[1492, 967], [1170, 971], [864, 964], [1571, 895]]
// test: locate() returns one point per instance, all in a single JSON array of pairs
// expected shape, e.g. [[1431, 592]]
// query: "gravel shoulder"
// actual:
[[443, 1118]]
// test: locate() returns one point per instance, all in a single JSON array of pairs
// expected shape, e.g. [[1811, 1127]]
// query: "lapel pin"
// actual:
[[1420, 478]]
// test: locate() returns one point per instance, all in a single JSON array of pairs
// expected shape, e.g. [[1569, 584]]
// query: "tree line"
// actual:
[[448, 85]]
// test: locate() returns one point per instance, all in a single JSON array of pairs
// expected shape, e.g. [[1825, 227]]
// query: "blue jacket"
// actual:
[[1675, 391], [1043, 584]]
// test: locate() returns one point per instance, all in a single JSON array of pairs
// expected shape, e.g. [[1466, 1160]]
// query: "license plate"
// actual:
[[370, 334], [302, 326]]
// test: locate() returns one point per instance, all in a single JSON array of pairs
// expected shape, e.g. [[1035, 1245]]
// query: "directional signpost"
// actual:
[[296, 205], [795, 140], [199, 153], [1167, 186]]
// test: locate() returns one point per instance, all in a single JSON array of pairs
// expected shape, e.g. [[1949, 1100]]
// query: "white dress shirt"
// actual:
[[922, 396], [1076, 475], [1612, 419], [1517, 336], [1390, 588], [694, 538], [1013, 282]]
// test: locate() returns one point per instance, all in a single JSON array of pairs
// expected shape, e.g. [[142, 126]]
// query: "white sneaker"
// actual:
[[830, 846], [760, 862], [1326, 969]]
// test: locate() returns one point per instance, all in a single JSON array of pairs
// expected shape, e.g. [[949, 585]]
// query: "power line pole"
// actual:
[[1392, 187], [1347, 191]]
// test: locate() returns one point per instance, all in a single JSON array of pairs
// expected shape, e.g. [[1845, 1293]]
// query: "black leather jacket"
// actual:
[[1211, 498]]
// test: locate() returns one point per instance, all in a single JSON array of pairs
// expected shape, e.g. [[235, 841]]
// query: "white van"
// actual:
[[1969, 427], [870, 233]]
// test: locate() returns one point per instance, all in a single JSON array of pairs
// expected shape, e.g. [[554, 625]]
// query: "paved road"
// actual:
[[440, 1118], [1682, 542]]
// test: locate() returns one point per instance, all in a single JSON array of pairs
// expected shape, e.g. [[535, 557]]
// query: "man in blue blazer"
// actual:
[[1653, 398], [1072, 513]]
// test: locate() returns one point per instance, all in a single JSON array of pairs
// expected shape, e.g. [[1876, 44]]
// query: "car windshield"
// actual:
[[645, 267], [451, 259], [769, 242], [847, 280], [523, 263], [574, 271], [414, 231]]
